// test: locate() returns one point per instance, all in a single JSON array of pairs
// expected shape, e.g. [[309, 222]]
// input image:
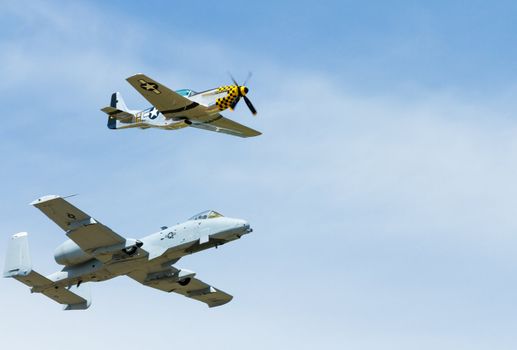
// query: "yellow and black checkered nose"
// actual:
[[226, 102], [235, 93]]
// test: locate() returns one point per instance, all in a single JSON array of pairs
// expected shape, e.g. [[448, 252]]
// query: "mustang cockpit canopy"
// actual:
[[185, 92], [207, 214]]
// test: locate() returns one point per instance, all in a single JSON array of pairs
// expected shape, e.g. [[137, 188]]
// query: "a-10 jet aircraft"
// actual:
[[178, 109], [95, 253]]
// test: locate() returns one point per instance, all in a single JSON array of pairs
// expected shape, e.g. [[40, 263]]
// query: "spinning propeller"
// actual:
[[242, 90]]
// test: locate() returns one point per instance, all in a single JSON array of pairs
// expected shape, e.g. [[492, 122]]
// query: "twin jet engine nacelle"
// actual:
[[69, 253]]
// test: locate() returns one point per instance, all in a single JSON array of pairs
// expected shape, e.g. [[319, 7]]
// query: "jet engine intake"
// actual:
[[184, 281], [133, 248]]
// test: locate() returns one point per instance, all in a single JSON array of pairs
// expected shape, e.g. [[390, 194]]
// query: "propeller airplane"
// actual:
[[178, 109]]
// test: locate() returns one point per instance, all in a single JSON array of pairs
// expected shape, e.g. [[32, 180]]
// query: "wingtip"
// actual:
[[44, 199], [20, 235], [134, 75], [220, 303]]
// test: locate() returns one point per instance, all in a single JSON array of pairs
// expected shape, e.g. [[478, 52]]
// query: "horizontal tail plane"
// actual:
[[18, 266]]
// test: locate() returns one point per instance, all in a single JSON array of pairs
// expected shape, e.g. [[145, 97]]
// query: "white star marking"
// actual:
[[148, 86]]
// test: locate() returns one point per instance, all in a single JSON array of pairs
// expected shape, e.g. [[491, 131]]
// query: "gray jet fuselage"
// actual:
[[94, 252], [165, 247]]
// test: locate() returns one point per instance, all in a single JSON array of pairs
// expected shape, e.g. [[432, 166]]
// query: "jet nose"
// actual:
[[245, 226]]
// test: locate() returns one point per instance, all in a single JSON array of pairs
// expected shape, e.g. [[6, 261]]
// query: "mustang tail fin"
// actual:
[[117, 111], [118, 102], [18, 266]]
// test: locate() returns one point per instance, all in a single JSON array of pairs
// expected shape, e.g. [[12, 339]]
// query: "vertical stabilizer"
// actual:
[[118, 102], [118, 114], [17, 259]]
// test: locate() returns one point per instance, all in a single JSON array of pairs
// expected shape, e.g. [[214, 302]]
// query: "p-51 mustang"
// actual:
[[178, 109], [95, 253]]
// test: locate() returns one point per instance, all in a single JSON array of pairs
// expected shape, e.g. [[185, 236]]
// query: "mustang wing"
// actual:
[[81, 228], [218, 123], [164, 99], [168, 281]]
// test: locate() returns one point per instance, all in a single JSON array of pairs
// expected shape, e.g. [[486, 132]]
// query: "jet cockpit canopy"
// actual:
[[207, 214]]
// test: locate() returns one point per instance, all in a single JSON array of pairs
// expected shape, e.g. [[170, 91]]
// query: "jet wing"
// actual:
[[169, 281], [164, 99], [218, 123], [80, 227]]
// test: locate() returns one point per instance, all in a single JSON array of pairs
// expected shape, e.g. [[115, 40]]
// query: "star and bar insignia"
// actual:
[[149, 86]]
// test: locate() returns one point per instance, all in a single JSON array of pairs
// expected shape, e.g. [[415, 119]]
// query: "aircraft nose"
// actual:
[[245, 226]]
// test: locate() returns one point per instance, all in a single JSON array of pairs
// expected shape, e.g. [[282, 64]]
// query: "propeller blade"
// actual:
[[250, 106], [233, 79], [234, 103], [247, 78]]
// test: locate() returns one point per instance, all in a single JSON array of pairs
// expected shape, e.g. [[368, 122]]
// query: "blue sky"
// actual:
[[382, 191]]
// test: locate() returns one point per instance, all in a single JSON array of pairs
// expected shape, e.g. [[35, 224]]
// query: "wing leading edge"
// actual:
[[170, 280]]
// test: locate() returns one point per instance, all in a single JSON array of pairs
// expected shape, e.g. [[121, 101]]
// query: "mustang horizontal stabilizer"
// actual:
[[123, 116]]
